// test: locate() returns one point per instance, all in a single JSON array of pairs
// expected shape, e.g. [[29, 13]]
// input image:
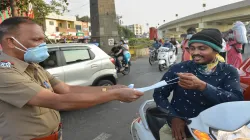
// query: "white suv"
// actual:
[[80, 64]]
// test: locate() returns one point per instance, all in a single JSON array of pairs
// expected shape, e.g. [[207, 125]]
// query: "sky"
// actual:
[[152, 12]]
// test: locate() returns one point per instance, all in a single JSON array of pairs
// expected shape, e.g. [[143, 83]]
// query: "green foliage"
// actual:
[[125, 33], [83, 19], [140, 42], [40, 7]]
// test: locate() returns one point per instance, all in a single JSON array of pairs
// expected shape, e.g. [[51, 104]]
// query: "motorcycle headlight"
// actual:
[[201, 135], [242, 133]]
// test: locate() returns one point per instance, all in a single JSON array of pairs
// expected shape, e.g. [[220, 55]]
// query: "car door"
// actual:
[[53, 64], [80, 65]]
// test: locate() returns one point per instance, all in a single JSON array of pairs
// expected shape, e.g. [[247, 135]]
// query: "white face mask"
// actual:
[[189, 36]]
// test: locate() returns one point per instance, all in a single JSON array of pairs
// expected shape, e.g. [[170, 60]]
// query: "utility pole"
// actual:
[[13, 6]]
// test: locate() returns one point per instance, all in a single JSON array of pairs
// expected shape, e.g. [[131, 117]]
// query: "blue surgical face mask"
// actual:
[[36, 55]]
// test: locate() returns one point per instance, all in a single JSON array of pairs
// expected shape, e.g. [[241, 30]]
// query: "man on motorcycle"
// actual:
[[168, 44], [117, 51], [203, 83], [156, 44]]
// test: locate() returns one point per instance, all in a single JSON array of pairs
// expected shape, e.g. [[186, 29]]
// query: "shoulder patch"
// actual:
[[6, 64]]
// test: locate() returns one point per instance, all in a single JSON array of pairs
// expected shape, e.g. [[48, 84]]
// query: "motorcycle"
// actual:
[[167, 57], [152, 56], [231, 122], [126, 70]]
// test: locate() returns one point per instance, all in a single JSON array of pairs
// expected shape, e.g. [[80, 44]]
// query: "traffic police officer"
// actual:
[[29, 96]]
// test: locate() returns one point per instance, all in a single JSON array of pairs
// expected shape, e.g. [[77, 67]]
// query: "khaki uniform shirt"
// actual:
[[19, 82]]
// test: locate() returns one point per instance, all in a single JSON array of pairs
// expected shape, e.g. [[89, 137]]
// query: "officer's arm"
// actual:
[[62, 88], [48, 99], [18, 90]]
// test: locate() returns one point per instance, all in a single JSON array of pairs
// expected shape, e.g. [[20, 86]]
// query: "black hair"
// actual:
[[11, 24], [123, 42], [191, 30]]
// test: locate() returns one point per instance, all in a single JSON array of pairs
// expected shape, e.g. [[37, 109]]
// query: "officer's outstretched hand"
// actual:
[[127, 94]]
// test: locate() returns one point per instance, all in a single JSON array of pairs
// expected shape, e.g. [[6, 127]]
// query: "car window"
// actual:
[[50, 62], [73, 56]]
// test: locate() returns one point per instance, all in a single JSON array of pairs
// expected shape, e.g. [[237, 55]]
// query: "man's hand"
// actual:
[[190, 81], [127, 94], [178, 129]]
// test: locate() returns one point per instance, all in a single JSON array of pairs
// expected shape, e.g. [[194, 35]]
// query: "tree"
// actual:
[[83, 19], [124, 32], [40, 7]]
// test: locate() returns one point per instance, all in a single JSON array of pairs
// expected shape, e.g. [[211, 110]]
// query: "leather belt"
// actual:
[[55, 136]]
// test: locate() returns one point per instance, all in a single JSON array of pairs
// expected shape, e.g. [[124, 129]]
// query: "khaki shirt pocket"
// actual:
[[38, 111]]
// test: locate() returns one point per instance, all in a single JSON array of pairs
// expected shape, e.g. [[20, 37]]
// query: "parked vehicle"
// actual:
[[167, 57], [226, 121], [80, 64], [244, 72], [152, 56]]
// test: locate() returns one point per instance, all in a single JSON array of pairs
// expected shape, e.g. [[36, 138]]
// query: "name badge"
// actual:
[[6, 64]]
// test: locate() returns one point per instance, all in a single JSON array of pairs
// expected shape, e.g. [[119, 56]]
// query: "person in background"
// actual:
[[168, 44], [117, 52], [65, 40], [126, 53], [85, 41], [203, 82], [234, 49], [161, 41], [175, 43], [95, 42], [156, 44], [186, 55]]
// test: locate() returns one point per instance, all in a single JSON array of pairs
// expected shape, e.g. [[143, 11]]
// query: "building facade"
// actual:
[[57, 26], [137, 29]]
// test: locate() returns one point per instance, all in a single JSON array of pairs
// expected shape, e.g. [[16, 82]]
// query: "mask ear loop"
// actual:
[[20, 45]]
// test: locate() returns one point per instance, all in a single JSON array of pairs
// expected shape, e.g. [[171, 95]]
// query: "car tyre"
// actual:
[[105, 83]]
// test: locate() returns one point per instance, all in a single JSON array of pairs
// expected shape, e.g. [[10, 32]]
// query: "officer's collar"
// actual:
[[18, 64]]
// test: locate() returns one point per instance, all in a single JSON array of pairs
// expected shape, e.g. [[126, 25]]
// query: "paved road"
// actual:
[[111, 121]]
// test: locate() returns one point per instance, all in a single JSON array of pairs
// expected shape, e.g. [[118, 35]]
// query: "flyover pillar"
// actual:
[[104, 25]]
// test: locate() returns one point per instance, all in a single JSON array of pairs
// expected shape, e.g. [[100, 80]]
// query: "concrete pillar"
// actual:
[[103, 23]]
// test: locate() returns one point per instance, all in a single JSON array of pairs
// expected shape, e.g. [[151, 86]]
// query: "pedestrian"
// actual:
[[95, 42], [234, 49], [175, 43], [30, 97], [186, 55], [85, 41], [203, 82]]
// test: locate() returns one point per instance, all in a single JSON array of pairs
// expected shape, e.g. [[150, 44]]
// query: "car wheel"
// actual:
[[105, 83]]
